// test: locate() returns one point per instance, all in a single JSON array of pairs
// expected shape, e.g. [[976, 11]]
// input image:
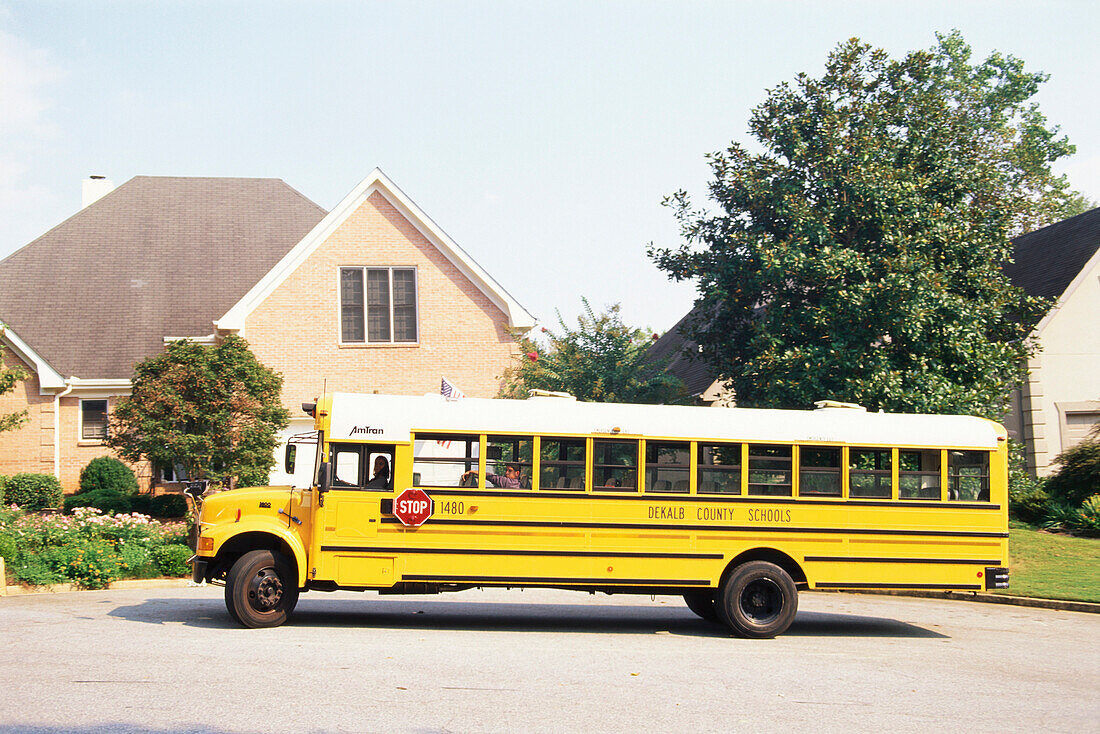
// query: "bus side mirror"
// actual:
[[291, 455], [325, 480]]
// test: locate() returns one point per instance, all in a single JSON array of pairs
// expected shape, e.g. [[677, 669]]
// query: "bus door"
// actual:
[[362, 476]]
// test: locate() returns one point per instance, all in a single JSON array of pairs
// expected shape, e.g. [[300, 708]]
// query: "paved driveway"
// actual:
[[170, 660]]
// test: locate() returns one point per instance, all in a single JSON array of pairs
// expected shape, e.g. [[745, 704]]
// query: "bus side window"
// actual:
[[667, 466], [870, 473], [919, 475], [615, 465], [561, 464], [770, 470], [719, 468], [968, 476], [347, 461]]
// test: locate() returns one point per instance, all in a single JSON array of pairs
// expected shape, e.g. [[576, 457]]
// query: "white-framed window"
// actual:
[[378, 305], [93, 419]]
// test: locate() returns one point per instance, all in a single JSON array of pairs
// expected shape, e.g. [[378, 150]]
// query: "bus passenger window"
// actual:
[[919, 475], [502, 452], [719, 468], [615, 465], [819, 471], [870, 473], [770, 470], [667, 467], [442, 459], [968, 476], [561, 464]]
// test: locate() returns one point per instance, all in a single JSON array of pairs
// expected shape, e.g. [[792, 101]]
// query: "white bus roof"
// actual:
[[394, 417]]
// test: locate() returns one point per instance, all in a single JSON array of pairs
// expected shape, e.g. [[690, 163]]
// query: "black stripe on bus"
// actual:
[[952, 561], [708, 528], [569, 580], [670, 497], [932, 587], [504, 552]]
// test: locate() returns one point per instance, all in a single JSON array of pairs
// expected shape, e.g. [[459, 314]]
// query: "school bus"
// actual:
[[734, 509]]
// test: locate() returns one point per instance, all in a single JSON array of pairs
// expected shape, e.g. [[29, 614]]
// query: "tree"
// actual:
[[858, 256], [215, 410], [9, 378], [602, 360]]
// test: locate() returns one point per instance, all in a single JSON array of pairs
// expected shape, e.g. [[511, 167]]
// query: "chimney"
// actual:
[[93, 189]]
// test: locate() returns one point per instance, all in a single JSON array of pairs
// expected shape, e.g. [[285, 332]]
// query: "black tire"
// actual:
[[261, 589], [758, 600], [702, 603]]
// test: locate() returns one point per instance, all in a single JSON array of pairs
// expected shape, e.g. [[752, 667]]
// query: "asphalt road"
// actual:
[[170, 660]]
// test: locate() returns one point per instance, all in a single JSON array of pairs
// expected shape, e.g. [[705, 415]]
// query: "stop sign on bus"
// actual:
[[412, 507]]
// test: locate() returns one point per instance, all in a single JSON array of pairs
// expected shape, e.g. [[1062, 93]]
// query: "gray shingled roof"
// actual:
[[157, 257], [1048, 259], [679, 355]]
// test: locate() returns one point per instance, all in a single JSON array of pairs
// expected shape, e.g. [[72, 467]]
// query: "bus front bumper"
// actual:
[[198, 569]]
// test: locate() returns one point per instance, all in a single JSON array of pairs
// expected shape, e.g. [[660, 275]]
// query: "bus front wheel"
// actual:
[[261, 589], [758, 600]]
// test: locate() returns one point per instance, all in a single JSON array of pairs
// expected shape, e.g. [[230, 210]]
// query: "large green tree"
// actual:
[[601, 360], [214, 409], [857, 255]]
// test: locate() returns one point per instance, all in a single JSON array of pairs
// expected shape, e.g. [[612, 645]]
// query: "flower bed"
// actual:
[[90, 549]]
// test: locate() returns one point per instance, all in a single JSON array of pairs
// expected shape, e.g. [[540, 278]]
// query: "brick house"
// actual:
[[370, 297]]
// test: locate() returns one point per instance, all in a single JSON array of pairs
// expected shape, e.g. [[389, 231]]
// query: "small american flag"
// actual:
[[448, 390]]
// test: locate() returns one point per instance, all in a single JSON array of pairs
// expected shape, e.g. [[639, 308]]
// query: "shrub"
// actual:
[[7, 549], [90, 564], [1028, 500], [34, 491], [141, 503], [171, 560], [135, 561], [3, 483], [1090, 515], [37, 569], [168, 505], [106, 472], [106, 500], [1079, 474]]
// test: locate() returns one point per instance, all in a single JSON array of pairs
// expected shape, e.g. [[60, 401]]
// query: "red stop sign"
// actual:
[[412, 507]]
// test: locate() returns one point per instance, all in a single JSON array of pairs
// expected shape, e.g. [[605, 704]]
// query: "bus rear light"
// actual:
[[996, 578]]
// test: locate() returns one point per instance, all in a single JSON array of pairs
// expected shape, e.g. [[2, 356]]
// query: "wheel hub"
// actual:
[[761, 601], [265, 591]]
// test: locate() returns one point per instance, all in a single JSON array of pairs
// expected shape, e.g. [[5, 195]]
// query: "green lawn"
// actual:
[[1053, 566]]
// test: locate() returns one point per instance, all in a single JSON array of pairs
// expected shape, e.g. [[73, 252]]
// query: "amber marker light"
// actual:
[[206, 544]]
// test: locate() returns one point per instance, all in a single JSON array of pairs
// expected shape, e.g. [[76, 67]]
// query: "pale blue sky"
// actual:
[[541, 136]]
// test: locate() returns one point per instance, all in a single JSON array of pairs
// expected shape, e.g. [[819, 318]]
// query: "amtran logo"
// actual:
[[366, 430]]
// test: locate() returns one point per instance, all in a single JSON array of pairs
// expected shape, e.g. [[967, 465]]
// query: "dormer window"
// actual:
[[378, 305]]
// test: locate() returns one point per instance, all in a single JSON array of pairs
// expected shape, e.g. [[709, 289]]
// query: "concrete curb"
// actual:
[[1019, 601], [163, 583]]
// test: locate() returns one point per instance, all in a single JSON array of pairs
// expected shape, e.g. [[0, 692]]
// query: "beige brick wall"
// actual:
[[462, 334], [28, 448], [77, 452]]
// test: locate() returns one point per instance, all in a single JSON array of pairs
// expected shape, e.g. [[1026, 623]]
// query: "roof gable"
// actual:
[[377, 182], [1047, 260], [158, 256]]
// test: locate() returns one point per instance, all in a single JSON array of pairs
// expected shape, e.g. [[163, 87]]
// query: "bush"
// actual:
[[3, 483], [168, 505], [106, 472], [7, 549], [171, 560], [34, 491], [37, 569], [135, 561], [90, 564], [1090, 515], [106, 500], [141, 503], [1027, 499], [1078, 476]]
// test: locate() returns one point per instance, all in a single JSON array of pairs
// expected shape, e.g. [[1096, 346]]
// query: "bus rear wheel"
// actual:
[[758, 600], [702, 603], [261, 589]]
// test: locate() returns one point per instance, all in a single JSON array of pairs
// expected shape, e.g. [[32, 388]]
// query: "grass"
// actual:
[[1053, 566]]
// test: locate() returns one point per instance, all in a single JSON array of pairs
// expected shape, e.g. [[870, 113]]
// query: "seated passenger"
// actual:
[[381, 476], [510, 480]]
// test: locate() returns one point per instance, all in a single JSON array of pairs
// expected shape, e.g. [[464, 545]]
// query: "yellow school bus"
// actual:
[[734, 509]]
